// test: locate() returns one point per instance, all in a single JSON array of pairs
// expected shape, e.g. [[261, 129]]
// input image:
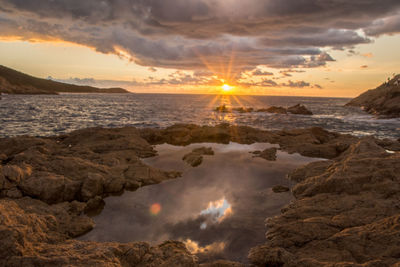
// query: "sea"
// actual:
[[46, 115]]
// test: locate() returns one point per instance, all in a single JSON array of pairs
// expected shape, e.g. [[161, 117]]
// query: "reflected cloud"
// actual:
[[195, 248], [218, 210]]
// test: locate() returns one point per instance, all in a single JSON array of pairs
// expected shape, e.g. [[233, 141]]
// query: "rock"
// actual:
[[273, 109], [243, 110], [268, 154], [49, 187], [267, 256], [280, 189], [92, 186], [345, 213], [222, 109], [299, 109], [15, 173], [346, 210], [94, 206], [384, 100], [195, 158], [35, 233]]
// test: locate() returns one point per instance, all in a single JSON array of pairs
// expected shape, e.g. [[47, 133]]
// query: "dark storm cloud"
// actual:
[[190, 34]]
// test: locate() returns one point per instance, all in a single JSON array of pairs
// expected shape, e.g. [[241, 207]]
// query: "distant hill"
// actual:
[[384, 100], [15, 82]]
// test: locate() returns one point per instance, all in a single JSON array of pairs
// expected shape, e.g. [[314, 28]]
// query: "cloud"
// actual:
[[210, 35], [259, 72], [364, 67], [387, 25]]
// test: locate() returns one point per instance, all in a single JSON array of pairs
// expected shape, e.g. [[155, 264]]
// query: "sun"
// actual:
[[226, 88]]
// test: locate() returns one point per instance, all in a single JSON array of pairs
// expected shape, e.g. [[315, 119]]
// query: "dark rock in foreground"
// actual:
[[384, 100], [346, 209]]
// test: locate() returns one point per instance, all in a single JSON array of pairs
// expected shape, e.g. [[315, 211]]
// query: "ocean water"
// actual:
[[44, 115]]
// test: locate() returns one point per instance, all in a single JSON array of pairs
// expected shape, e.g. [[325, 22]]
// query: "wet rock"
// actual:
[[195, 158], [299, 109], [243, 110], [273, 109], [384, 100], [94, 206], [280, 189], [268, 154]]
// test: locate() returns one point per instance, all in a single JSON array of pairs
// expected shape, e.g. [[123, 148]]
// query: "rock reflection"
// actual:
[[218, 208]]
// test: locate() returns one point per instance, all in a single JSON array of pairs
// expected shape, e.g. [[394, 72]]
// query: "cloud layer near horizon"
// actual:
[[206, 34]]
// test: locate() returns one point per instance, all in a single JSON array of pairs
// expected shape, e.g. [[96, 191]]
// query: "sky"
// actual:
[[333, 48]]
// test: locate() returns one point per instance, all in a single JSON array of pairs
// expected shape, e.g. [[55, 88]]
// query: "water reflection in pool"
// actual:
[[218, 208]]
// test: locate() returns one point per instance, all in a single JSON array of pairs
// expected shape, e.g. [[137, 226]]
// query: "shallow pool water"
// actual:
[[218, 208]]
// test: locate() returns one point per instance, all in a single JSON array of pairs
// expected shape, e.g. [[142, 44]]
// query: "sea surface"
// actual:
[[44, 115], [217, 209]]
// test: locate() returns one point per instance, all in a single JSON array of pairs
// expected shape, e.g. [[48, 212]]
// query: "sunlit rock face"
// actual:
[[217, 209], [384, 100]]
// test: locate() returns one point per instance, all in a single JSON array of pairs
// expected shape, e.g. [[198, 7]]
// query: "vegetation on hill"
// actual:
[[15, 82]]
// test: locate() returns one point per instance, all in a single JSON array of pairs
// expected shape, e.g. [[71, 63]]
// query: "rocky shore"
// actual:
[[383, 101], [346, 210]]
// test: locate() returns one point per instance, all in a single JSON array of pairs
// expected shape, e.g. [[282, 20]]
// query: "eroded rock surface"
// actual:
[[346, 213], [78, 166], [346, 209]]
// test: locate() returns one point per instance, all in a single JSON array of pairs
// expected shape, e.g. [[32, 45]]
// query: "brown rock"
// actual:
[[195, 158], [299, 109], [268, 154], [92, 186], [384, 100], [280, 189], [49, 187], [344, 213], [273, 109]]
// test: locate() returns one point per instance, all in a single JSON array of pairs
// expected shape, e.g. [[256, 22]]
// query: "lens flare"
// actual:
[[155, 209]]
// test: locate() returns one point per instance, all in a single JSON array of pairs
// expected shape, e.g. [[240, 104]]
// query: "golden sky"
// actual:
[[257, 47]]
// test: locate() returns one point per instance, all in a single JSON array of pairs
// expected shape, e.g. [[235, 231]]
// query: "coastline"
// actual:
[[48, 184]]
